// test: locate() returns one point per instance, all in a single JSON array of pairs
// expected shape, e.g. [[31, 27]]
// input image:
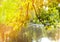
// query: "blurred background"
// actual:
[[29, 20]]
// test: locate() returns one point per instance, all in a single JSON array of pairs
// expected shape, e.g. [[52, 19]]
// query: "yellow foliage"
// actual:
[[16, 13]]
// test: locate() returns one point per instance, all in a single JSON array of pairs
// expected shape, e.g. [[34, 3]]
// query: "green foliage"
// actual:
[[48, 14]]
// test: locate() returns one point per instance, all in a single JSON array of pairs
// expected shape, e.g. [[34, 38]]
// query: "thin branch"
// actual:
[[27, 9], [35, 10]]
